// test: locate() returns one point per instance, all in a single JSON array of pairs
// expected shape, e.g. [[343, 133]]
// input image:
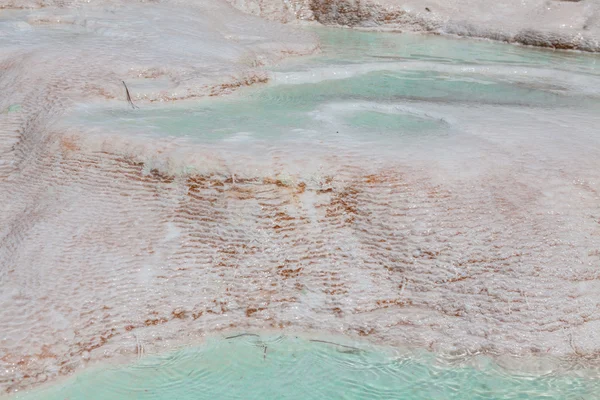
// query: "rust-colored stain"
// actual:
[[68, 144], [161, 177], [385, 303], [232, 86], [281, 216], [333, 292], [371, 179], [287, 273], [366, 331], [251, 310], [197, 315], [100, 341], [276, 182], [155, 321], [46, 353], [300, 187], [180, 314], [343, 204]]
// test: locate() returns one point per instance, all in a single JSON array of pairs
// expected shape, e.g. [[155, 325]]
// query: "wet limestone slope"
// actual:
[[560, 24], [61, 229]]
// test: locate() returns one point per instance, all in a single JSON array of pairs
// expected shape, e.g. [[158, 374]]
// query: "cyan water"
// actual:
[[286, 367], [375, 86]]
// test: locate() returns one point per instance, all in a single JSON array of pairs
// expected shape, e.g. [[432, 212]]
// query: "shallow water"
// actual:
[[406, 73], [441, 100], [253, 367]]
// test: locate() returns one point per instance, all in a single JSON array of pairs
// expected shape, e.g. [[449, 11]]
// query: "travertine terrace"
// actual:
[[114, 242], [563, 24]]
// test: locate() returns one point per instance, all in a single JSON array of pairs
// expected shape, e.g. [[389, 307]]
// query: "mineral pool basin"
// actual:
[[379, 89], [249, 366]]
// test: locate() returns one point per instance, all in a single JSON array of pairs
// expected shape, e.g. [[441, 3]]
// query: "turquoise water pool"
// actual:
[[269, 368], [373, 86]]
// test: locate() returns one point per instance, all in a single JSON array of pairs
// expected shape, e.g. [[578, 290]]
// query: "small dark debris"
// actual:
[[240, 335], [353, 349], [129, 97], [427, 9]]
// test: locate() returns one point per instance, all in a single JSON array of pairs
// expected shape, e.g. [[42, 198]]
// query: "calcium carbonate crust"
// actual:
[[557, 24]]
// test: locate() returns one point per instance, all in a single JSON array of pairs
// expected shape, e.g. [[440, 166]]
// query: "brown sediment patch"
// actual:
[[288, 273], [210, 91], [96, 342], [180, 314], [365, 331], [252, 310], [196, 315], [276, 182], [155, 321], [385, 303], [68, 143], [344, 203], [241, 192], [337, 311], [226, 88], [341, 12]]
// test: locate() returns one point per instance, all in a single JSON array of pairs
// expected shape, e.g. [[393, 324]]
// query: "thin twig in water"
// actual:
[[240, 335], [335, 344], [129, 96]]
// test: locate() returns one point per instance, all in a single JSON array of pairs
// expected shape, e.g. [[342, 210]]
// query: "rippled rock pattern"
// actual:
[[403, 188], [50, 59]]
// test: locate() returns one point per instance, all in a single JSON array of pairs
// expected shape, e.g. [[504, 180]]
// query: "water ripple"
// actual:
[[238, 367]]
